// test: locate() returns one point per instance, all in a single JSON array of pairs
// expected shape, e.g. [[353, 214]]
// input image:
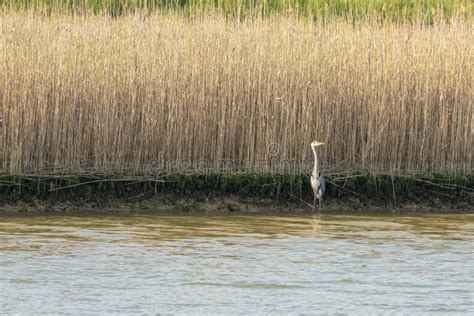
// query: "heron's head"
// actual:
[[315, 143]]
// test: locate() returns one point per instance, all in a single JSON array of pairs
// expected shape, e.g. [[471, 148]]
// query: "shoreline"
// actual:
[[218, 206], [233, 194]]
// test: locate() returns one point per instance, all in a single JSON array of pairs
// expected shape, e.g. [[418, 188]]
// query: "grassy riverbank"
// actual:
[[233, 193], [231, 106]]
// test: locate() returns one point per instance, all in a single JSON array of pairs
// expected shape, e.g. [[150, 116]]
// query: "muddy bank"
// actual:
[[232, 193], [219, 205]]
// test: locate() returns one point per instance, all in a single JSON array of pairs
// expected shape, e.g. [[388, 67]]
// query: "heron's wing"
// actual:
[[322, 184]]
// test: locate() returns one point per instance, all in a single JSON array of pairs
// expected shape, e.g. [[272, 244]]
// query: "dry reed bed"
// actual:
[[100, 95]]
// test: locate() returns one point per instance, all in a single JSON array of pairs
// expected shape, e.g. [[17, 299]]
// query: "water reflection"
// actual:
[[236, 264], [179, 227]]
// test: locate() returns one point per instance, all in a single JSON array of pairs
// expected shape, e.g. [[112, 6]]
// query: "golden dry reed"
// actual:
[[94, 94]]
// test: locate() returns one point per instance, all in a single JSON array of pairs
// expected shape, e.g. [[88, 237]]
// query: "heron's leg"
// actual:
[[314, 203], [320, 203]]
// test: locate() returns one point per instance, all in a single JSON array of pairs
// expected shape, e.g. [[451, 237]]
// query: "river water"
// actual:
[[251, 264]]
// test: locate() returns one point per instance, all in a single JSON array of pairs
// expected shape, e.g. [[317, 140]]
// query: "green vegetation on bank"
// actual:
[[351, 9], [360, 189]]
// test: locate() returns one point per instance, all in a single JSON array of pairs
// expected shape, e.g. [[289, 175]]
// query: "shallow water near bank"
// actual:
[[237, 264]]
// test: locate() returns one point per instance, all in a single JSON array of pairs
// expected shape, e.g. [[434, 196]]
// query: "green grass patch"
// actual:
[[362, 187], [351, 9]]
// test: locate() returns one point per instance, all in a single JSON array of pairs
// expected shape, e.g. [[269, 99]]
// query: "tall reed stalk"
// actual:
[[100, 95]]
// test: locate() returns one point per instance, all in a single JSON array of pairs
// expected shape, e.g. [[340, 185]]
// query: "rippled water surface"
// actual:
[[237, 264]]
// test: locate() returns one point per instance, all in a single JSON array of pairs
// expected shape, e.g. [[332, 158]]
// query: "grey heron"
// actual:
[[317, 180]]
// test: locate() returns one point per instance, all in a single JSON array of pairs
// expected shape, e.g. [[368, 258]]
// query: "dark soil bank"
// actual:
[[232, 193]]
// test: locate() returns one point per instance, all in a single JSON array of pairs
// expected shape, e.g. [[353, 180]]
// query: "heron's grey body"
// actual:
[[317, 180]]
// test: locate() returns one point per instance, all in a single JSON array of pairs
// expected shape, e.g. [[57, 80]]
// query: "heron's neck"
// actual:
[[316, 161]]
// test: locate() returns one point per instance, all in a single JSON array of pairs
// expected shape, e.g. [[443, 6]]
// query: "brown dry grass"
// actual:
[[95, 94]]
